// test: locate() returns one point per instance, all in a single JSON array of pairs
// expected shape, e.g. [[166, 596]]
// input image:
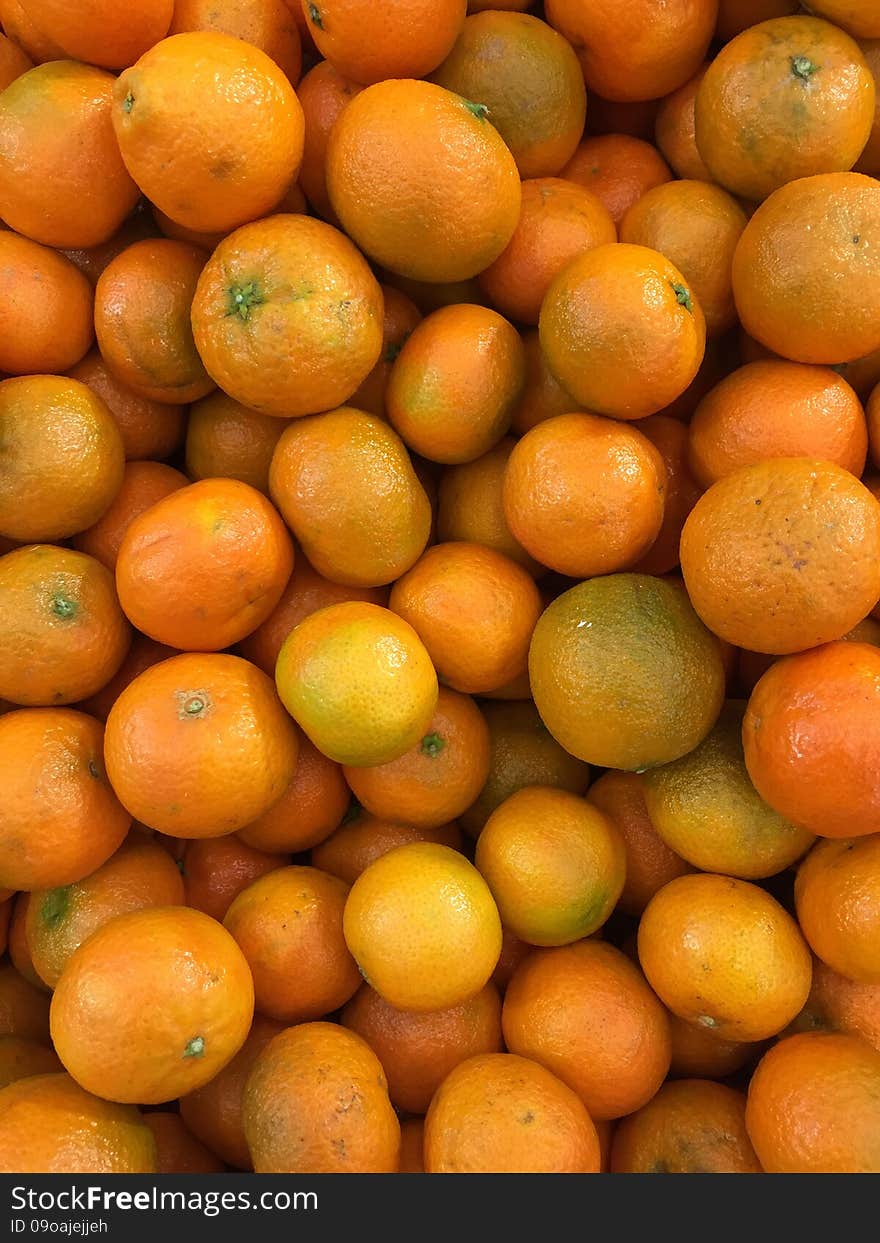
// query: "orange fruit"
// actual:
[[502, 1114], [543, 395], [310, 809], [869, 160], [650, 863], [697, 227], [140, 874], [182, 779], [422, 181], [323, 94], [412, 1146], [14, 61], [810, 735], [453, 387], [359, 682], [735, 16], [437, 779], [529, 78], [143, 485], [513, 951], [267, 24], [772, 409], [858, 19], [226, 439], [624, 673], [361, 839], [669, 436], [99, 33], [558, 221], [142, 320], [21, 28], [675, 131], [698, 1052], [705, 808], [55, 832], [22, 968], [46, 322], [92, 260], [642, 51], [63, 633], [24, 1008], [217, 869], [177, 1149], [291, 1106], [585, 1012], [837, 1004], [152, 1005], [418, 1051], [622, 330], [423, 927], [804, 286], [149, 429], [287, 316], [288, 925], [584, 495], [723, 954], [402, 39], [872, 412], [242, 149], [470, 506], [690, 1127], [617, 169], [213, 1113], [49, 1125], [792, 76], [814, 1106], [401, 315], [142, 654], [555, 865], [799, 561], [160, 568], [21, 1058], [615, 116], [306, 592], [345, 486], [837, 897], [55, 124]]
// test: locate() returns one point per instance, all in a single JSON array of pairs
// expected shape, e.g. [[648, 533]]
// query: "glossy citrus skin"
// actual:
[[838, 1004], [55, 122], [292, 1116], [851, 16], [669, 436], [142, 320], [502, 1114], [215, 870], [139, 874], [309, 810], [323, 94], [623, 672], [585, 1012], [14, 61], [698, 1052], [774, 408], [758, 973], [529, 79], [810, 738], [869, 161], [60, 817], [49, 1125], [422, 181], [361, 839], [153, 1005], [63, 457], [800, 563], [382, 704], [706, 809], [97, 33], [398, 40], [48, 326], [213, 1113], [470, 507], [404, 915], [474, 610], [584, 495], [418, 1051], [642, 51], [160, 571], [240, 152], [837, 897], [64, 635], [20, 1058], [690, 1127], [24, 1006], [813, 1106], [437, 779], [558, 221], [650, 863], [175, 775], [225, 438], [735, 16], [149, 429], [623, 331], [267, 24], [400, 317], [345, 485], [785, 99], [302, 968], [674, 131], [177, 1150], [142, 654], [287, 316], [803, 287], [143, 485], [618, 169]]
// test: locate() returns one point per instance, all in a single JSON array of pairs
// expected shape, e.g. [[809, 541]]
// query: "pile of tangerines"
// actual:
[[439, 626]]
